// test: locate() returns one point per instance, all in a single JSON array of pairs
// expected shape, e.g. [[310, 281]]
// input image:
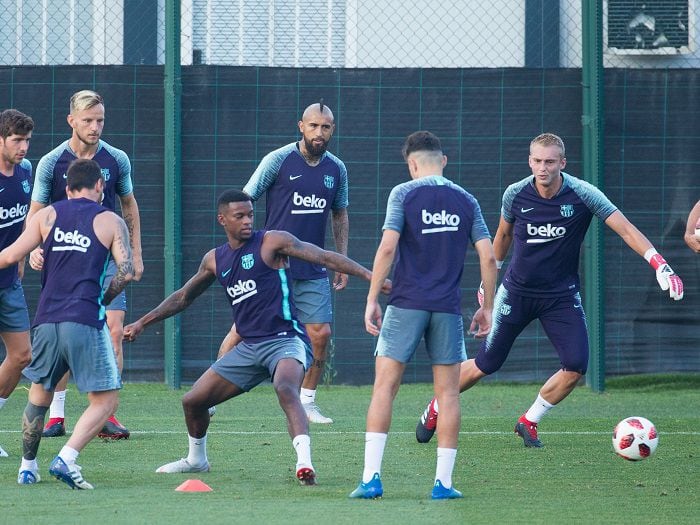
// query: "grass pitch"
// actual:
[[575, 478]]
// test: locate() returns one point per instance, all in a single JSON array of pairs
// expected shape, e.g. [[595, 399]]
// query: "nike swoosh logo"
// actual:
[[525, 210], [65, 176], [224, 274], [294, 177], [2, 189]]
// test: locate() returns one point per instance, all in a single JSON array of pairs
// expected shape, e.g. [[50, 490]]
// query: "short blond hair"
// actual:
[[549, 139], [85, 99]]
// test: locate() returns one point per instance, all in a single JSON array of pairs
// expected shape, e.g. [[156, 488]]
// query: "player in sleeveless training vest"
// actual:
[[78, 237], [253, 268], [15, 188], [545, 217], [430, 222], [303, 184], [86, 118]]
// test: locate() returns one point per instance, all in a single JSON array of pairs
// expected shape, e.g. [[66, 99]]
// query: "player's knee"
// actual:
[[20, 358], [319, 335], [487, 366], [286, 392]]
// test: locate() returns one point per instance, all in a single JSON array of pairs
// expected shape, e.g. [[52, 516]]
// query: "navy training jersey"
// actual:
[[14, 205], [437, 220], [50, 182], [75, 263], [548, 234], [299, 198], [260, 296]]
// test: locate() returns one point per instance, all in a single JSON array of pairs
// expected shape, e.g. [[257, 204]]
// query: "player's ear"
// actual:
[[563, 162]]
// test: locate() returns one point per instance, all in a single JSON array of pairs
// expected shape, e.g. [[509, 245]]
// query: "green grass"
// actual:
[[576, 478]]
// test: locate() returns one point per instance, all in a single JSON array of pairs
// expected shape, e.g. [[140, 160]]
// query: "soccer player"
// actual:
[[430, 222], [15, 187], [78, 237], [692, 229], [545, 217], [303, 183], [253, 268], [86, 118]]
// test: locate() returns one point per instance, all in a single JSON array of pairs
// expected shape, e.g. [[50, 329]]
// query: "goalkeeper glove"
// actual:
[[666, 277]]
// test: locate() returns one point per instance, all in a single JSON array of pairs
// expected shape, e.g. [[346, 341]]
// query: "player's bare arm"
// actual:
[[340, 225], [692, 229], [503, 239], [121, 252], [482, 319], [286, 244], [36, 257], [30, 238], [383, 260], [179, 299], [130, 214]]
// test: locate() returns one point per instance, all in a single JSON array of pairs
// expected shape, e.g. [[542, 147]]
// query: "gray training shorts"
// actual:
[[84, 350]]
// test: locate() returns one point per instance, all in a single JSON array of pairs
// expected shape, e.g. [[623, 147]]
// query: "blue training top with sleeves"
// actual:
[[14, 205], [50, 182], [260, 296], [437, 219], [75, 264], [548, 233], [300, 197]]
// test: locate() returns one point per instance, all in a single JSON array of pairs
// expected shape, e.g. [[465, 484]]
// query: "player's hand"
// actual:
[[340, 281], [666, 277], [36, 259], [373, 317], [132, 331], [386, 287], [138, 267], [481, 322]]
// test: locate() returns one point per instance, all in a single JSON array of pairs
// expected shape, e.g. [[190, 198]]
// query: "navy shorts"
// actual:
[[562, 319], [14, 316]]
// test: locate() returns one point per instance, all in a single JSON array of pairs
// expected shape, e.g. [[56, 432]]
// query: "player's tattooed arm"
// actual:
[[121, 250], [132, 218]]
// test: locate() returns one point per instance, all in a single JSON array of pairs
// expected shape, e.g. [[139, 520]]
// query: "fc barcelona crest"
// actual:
[[247, 261], [105, 173], [328, 181], [566, 210], [504, 309], [25, 186]]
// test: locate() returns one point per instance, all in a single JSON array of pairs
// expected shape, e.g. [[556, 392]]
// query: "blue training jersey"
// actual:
[[14, 205], [75, 264], [300, 197], [50, 183], [437, 220], [260, 296], [548, 234]]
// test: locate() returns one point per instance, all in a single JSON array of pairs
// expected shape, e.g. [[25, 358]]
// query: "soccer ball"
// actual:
[[635, 438]]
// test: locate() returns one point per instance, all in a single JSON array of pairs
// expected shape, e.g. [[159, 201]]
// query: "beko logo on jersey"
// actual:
[[443, 221], [15, 214], [546, 233], [71, 241], [241, 291], [312, 203]]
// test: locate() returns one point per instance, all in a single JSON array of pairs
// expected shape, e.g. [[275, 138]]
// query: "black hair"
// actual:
[[13, 122], [421, 141], [82, 173], [232, 195]]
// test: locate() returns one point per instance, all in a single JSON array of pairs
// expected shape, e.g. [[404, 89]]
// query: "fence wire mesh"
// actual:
[[349, 33]]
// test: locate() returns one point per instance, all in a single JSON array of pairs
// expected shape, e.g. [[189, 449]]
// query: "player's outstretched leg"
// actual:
[[427, 424]]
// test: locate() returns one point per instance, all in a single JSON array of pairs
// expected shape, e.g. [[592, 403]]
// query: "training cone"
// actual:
[[194, 485]]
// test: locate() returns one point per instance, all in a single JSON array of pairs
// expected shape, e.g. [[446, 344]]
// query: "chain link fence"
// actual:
[[349, 33], [485, 76]]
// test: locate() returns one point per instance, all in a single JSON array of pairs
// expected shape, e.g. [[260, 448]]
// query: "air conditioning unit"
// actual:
[[649, 27]]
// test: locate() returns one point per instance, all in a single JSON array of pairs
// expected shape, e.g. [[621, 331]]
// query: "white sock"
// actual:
[[374, 453], [445, 466], [538, 409], [29, 464], [302, 444], [57, 405], [68, 455], [197, 455], [307, 396], [3, 400]]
